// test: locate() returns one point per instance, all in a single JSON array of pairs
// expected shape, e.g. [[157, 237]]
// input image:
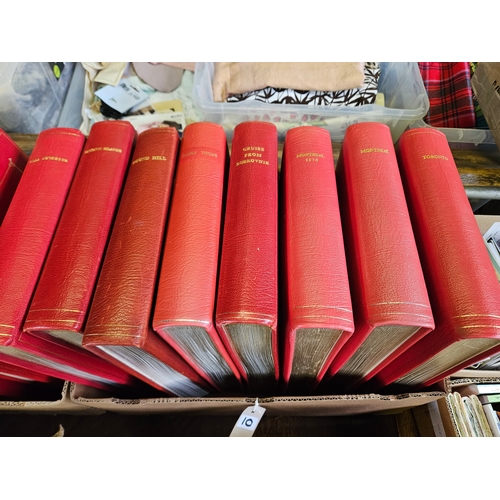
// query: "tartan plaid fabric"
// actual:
[[450, 94]]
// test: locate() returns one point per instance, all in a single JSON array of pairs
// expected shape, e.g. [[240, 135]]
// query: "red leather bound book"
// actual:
[[119, 326], [185, 303], [13, 372], [463, 287], [390, 300], [62, 297], [247, 298], [25, 237], [316, 296], [12, 163]]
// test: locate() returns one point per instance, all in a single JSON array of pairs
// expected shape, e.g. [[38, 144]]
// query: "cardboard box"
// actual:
[[486, 86], [61, 404], [306, 406], [435, 419]]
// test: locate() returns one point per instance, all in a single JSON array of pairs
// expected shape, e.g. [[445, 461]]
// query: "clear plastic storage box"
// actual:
[[405, 102], [32, 96], [463, 137]]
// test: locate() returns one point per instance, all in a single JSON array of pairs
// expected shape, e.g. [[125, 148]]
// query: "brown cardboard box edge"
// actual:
[[485, 83], [275, 406], [426, 424], [65, 405]]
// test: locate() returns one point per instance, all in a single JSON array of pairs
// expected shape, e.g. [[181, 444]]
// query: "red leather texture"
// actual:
[[121, 309], [25, 237], [387, 282], [30, 222], [64, 291], [188, 276], [248, 276], [464, 290], [316, 287], [12, 163], [13, 372], [59, 367]]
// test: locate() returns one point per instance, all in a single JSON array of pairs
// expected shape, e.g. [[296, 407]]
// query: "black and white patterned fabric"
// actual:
[[352, 97]]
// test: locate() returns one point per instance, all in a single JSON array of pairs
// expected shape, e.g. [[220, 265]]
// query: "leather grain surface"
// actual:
[[464, 290], [30, 222], [63, 294], [188, 276], [388, 285], [12, 163], [121, 309], [122, 305], [248, 276], [316, 286]]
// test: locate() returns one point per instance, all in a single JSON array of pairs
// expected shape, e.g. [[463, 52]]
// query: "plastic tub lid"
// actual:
[[7, 70]]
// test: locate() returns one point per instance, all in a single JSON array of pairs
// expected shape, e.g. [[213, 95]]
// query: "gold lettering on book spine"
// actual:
[[209, 153], [252, 154], [374, 150], [142, 158], [310, 156], [252, 160], [305, 155], [52, 158], [203, 152], [102, 148], [434, 157]]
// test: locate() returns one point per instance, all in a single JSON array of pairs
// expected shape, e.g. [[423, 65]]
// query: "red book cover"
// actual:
[[462, 284], [390, 300], [247, 297], [12, 163], [119, 326], [25, 237], [185, 303], [13, 372], [316, 296], [61, 301]]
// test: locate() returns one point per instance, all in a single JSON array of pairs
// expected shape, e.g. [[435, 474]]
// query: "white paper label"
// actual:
[[122, 97], [248, 421]]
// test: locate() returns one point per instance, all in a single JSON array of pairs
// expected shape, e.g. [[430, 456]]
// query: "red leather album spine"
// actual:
[[121, 309], [29, 225], [188, 277], [462, 284], [387, 282], [25, 237], [64, 291], [12, 163], [248, 275], [316, 290]]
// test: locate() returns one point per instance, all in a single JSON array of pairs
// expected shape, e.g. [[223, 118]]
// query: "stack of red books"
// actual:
[[180, 264]]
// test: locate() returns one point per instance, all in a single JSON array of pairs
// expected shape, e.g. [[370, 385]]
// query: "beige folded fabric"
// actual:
[[161, 77], [190, 66], [240, 77]]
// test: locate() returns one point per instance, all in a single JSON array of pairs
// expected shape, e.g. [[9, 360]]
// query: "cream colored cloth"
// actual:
[[109, 73], [241, 77]]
